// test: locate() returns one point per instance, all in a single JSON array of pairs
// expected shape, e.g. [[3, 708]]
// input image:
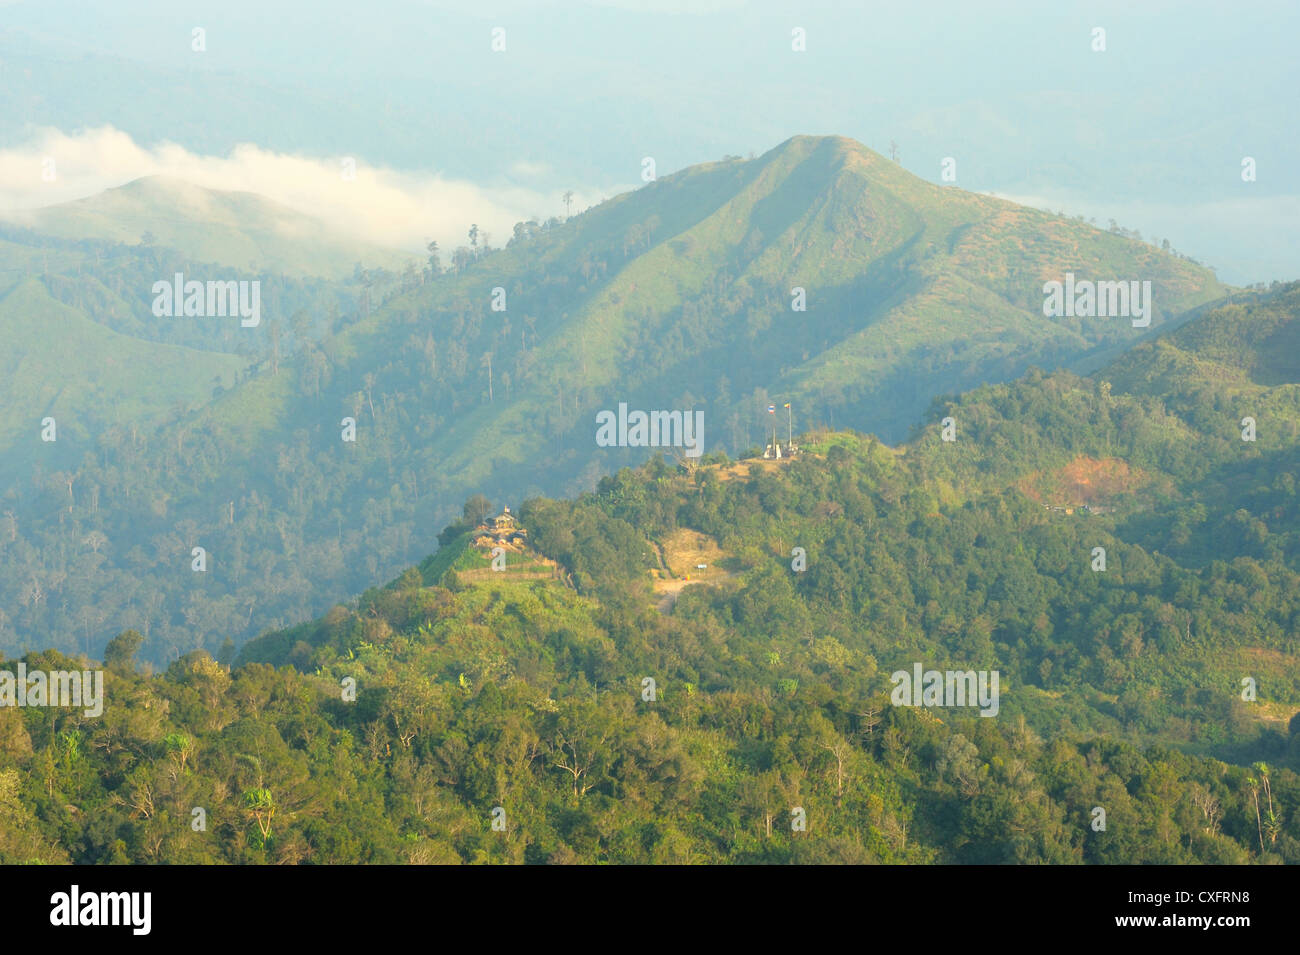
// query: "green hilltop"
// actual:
[[240, 230], [978, 549]]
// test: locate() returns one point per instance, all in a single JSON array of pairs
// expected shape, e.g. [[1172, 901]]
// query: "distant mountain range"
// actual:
[[819, 274], [77, 295]]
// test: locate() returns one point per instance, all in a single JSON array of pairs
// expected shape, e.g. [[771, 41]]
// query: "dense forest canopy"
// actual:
[[466, 714]]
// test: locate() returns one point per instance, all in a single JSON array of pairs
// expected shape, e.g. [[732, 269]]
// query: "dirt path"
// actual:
[[667, 591]]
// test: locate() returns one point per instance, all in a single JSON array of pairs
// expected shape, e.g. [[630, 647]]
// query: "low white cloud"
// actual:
[[395, 208]]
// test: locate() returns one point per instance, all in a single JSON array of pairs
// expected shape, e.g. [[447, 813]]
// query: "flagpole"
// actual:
[[789, 424]]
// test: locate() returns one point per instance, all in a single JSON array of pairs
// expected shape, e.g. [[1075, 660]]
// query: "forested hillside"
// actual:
[[820, 273], [519, 696]]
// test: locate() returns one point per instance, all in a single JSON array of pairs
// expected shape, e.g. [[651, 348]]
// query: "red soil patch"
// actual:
[[1084, 480]]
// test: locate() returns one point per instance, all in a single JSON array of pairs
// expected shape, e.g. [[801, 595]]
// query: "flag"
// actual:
[[786, 405], [771, 409]]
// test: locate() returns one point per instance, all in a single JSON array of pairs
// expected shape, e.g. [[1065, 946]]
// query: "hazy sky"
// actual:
[[1151, 132]]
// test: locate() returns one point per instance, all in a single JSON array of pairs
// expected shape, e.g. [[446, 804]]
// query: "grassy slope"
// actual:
[[236, 229], [833, 217], [88, 376], [18, 261]]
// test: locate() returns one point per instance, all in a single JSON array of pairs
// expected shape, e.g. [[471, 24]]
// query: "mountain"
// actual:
[[682, 296], [703, 664], [976, 551], [489, 379], [79, 319], [239, 230]]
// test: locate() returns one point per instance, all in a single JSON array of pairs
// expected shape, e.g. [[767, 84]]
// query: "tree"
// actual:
[[959, 757], [870, 719], [300, 323], [226, 655], [523, 231], [473, 236], [259, 807], [578, 744], [1271, 824], [120, 652], [435, 263], [477, 508], [274, 329], [839, 750], [760, 795], [568, 201], [369, 381]]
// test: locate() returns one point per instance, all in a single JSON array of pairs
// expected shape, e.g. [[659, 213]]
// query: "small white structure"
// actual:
[[776, 450]]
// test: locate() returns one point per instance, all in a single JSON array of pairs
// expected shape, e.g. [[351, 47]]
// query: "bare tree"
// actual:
[[1209, 807], [370, 384], [870, 719], [839, 750], [576, 758]]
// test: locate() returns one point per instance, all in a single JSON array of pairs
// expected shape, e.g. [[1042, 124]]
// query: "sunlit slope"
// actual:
[[88, 377], [681, 293], [1192, 440]]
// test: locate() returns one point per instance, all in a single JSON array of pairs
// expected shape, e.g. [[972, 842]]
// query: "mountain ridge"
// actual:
[[677, 295], [228, 227]]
